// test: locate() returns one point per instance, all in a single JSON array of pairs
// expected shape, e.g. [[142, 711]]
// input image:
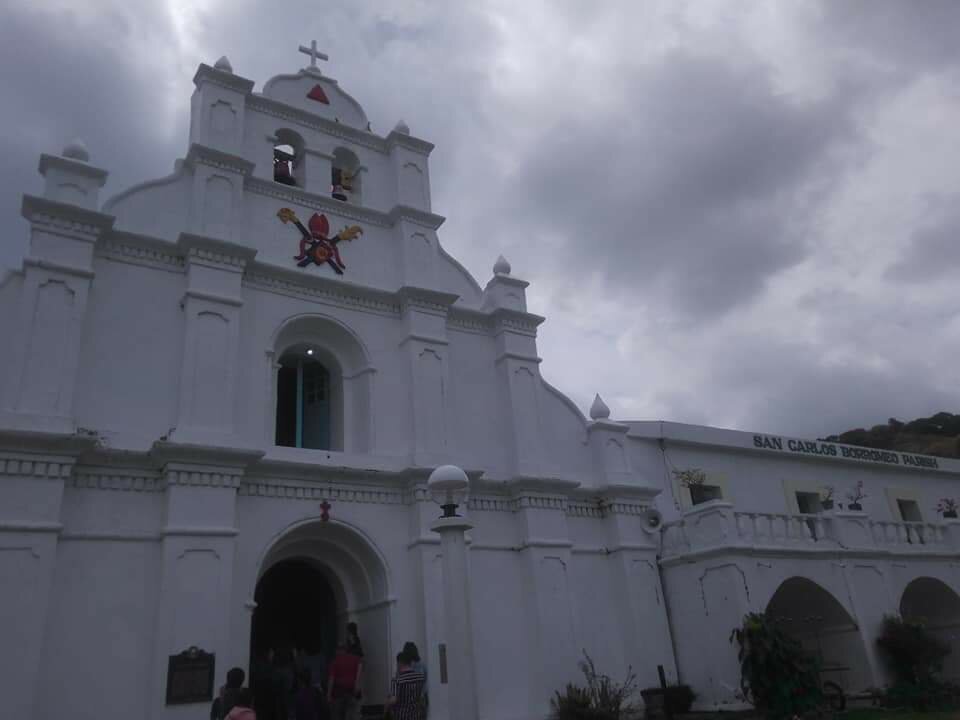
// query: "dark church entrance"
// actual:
[[296, 612]]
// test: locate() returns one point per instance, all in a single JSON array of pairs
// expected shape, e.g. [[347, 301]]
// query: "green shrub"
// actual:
[[924, 696], [601, 699], [915, 655], [776, 674]]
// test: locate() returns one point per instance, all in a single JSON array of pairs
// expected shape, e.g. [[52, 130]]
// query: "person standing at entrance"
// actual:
[[343, 684], [243, 710], [353, 640], [407, 693], [229, 694]]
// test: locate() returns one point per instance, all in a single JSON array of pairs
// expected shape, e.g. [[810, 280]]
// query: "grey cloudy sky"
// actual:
[[742, 214]]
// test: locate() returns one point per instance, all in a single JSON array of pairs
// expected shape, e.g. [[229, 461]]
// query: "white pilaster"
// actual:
[[197, 550], [44, 350], [425, 343], [462, 696], [33, 470], [211, 306]]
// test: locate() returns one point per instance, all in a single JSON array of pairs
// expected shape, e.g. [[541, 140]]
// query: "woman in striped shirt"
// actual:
[[408, 691]]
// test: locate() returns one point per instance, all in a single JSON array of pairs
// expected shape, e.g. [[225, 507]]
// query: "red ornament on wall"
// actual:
[[318, 94], [325, 511]]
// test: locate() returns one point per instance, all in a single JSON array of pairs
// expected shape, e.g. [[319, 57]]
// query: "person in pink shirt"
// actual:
[[243, 710]]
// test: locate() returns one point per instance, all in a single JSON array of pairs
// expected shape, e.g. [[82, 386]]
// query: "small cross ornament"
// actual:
[[325, 511], [313, 53]]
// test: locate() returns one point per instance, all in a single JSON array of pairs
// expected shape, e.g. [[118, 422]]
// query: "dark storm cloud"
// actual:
[[789, 388], [670, 192], [934, 249], [65, 76], [692, 187], [910, 35]]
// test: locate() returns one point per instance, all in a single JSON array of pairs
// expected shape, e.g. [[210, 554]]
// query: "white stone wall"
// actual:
[[142, 496]]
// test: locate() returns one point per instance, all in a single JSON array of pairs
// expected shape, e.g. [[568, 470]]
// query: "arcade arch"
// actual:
[[818, 621], [935, 605]]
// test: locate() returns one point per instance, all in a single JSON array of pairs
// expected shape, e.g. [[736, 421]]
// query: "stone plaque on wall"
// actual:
[[190, 677]]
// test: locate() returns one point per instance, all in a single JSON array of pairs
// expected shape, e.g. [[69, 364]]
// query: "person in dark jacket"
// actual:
[[308, 701], [229, 694]]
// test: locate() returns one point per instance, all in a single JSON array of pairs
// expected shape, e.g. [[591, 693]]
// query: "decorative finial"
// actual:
[[223, 64], [501, 266], [599, 409], [402, 128], [76, 150]]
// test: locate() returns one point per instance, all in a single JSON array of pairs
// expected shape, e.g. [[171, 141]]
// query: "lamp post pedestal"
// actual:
[[459, 626]]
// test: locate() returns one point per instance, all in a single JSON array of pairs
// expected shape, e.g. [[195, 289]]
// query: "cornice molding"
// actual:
[[28, 444], [176, 474], [507, 320], [332, 492], [282, 111], [227, 459], [468, 320], [405, 140], [206, 155], [422, 218], [315, 201], [223, 79], [589, 508], [215, 298], [42, 468], [491, 503], [74, 167], [270, 278], [63, 268], [609, 426], [65, 217], [130, 480], [141, 250], [215, 252], [433, 301]]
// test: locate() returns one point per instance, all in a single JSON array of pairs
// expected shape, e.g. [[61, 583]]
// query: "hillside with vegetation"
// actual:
[[936, 435]]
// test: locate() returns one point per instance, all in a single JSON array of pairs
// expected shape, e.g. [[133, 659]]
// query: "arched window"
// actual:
[[304, 401], [345, 176], [287, 158]]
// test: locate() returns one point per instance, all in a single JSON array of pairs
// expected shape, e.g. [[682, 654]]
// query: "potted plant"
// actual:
[[826, 497], [855, 496], [695, 481], [947, 507], [690, 478]]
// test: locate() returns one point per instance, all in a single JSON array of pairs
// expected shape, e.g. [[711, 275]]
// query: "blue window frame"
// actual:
[[303, 403]]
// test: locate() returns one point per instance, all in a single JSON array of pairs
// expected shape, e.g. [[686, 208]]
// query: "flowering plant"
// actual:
[[857, 494], [947, 505], [690, 478], [826, 493]]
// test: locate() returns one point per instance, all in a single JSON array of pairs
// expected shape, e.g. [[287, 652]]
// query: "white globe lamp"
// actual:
[[448, 486]]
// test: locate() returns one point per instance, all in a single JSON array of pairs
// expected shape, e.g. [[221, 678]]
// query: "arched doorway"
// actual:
[[296, 608], [818, 621], [314, 579], [935, 605]]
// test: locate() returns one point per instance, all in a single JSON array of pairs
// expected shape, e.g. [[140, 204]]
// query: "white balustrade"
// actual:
[[913, 536], [802, 532]]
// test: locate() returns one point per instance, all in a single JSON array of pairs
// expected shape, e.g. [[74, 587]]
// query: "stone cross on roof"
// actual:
[[313, 53]]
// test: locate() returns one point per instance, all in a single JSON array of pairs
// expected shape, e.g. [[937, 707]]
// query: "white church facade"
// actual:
[[222, 393]]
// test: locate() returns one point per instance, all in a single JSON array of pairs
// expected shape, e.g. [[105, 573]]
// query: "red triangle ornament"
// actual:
[[318, 94]]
